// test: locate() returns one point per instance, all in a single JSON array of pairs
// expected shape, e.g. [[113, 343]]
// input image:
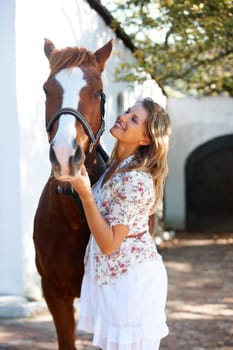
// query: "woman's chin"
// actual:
[[113, 131]]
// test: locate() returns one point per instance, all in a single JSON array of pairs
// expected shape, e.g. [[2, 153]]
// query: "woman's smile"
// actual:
[[119, 125]]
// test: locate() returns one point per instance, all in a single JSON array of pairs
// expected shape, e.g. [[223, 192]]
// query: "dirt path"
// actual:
[[199, 308]]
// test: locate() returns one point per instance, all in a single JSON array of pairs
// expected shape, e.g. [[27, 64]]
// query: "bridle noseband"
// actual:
[[93, 138]]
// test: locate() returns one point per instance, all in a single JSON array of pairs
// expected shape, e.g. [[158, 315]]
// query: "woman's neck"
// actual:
[[123, 153]]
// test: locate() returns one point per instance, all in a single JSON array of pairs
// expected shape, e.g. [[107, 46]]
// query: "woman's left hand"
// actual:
[[81, 183]]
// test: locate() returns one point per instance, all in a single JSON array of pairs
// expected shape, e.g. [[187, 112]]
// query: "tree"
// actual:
[[186, 45]]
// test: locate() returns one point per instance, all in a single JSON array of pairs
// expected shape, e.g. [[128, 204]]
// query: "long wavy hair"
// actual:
[[153, 157]]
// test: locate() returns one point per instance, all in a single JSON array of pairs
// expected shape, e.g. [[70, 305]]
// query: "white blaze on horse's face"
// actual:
[[71, 80]]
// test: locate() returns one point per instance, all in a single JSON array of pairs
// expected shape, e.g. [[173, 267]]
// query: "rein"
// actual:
[[93, 138]]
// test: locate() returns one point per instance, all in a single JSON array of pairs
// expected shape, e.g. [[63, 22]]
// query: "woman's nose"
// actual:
[[123, 116]]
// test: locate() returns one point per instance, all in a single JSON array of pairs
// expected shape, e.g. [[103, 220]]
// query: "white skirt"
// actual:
[[129, 314]]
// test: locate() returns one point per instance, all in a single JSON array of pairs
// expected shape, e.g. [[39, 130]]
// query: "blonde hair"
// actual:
[[153, 157]]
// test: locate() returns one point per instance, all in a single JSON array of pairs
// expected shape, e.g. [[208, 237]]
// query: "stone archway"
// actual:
[[209, 186]]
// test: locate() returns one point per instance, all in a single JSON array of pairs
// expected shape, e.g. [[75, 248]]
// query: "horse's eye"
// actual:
[[98, 93], [45, 90]]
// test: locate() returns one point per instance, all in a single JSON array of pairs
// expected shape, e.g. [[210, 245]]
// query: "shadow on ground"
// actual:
[[199, 307], [200, 295]]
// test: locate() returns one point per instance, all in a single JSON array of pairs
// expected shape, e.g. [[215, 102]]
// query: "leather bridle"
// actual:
[[93, 138]]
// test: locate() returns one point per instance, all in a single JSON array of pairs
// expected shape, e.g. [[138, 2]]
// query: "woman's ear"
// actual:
[[145, 141]]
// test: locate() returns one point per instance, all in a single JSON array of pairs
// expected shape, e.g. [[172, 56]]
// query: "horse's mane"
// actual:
[[70, 57]]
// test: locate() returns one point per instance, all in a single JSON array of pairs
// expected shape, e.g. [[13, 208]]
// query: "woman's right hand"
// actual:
[[81, 183]]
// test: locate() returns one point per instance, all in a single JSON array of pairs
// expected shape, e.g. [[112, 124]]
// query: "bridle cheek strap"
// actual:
[[71, 111]]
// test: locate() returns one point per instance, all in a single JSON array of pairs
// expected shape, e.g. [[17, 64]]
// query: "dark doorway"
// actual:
[[209, 186]]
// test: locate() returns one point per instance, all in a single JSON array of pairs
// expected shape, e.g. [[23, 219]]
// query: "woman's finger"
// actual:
[[83, 170]]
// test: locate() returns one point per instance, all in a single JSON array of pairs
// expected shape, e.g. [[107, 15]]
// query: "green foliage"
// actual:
[[186, 45]]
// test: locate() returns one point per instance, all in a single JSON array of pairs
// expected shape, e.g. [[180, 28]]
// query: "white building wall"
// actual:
[[194, 122], [24, 148], [11, 257]]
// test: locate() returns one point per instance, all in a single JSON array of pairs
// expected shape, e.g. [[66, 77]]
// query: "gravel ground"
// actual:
[[199, 307]]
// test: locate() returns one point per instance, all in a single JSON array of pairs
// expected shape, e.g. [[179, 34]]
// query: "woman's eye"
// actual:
[[135, 119]]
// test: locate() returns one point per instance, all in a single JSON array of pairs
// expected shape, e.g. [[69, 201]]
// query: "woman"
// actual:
[[124, 287]]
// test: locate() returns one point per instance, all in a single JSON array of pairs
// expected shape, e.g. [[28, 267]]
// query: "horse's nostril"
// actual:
[[53, 158], [77, 155], [74, 144]]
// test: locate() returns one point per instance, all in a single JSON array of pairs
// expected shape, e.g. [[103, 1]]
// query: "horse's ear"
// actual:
[[49, 47], [103, 54]]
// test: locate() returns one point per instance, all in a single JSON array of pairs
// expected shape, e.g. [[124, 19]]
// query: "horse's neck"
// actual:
[[91, 166], [96, 163]]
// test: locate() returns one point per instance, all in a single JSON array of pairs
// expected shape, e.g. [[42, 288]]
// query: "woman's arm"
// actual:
[[107, 238], [152, 224]]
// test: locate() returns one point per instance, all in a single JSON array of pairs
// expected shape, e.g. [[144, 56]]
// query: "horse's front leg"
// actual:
[[62, 311]]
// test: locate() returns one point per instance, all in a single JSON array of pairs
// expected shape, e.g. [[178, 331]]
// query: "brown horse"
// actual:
[[74, 122]]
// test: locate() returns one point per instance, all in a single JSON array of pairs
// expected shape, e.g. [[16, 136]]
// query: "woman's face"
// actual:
[[130, 126]]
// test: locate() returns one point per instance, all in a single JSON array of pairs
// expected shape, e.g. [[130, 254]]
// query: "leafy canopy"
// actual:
[[186, 45]]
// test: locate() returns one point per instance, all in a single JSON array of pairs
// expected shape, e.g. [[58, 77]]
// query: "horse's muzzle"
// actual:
[[69, 166], [54, 162]]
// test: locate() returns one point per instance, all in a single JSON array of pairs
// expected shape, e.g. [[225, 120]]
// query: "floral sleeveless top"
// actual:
[[126, 198]]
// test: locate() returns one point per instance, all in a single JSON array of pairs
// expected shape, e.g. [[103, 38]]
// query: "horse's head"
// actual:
[[74, 104]]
